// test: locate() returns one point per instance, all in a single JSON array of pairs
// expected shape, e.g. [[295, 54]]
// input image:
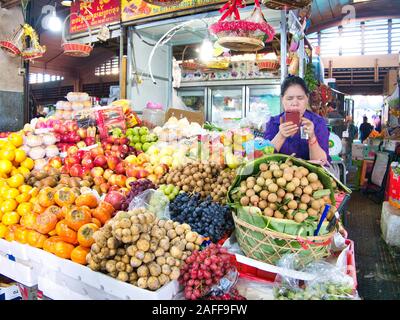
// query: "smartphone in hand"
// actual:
[[294, 117]]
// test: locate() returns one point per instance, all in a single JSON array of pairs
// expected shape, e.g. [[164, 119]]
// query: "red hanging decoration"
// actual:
[[248, 34]]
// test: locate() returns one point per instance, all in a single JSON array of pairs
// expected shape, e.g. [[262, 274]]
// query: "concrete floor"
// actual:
[[378, 265]]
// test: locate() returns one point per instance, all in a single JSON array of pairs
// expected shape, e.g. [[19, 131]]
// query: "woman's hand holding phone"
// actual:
[[288, 129]]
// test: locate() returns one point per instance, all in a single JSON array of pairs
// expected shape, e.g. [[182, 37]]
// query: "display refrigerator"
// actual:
[[227, 105]]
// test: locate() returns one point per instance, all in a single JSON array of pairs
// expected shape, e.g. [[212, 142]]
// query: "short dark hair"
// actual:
[[294, 81]]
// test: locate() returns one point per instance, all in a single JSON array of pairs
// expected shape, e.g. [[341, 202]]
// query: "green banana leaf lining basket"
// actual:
[[269, 246], [267, 239]]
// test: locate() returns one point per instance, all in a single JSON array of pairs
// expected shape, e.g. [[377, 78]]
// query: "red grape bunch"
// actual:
[[204, 269]]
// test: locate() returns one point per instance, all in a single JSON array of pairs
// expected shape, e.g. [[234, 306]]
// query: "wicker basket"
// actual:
[[76, 49], [269, 246], [268, 65], [288, 4]]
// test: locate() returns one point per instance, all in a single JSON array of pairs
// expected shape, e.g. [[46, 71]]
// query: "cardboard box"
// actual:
[[192, 116], [357, 151]]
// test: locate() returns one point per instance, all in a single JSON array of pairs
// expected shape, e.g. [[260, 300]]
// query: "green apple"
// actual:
[[144, 131], [130, 132], [162, 187], [146, 146], [136, 131], [136, 139], [143, 139], [152, 137], [138, 146]]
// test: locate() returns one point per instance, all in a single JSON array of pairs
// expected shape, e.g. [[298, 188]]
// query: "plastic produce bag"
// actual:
[[153, 200], [327, 282]]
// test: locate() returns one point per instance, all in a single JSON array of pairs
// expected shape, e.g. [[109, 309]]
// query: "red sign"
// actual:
[[96, 12]]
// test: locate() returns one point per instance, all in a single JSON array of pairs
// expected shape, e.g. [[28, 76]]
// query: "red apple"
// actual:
[[114, 188], [97, 172], [99, 180], [76, 170], [108, 173], [112, 162], [121, 180], [113, 180], [72, 159], [96, 152], [142, 174], [82, 153], [87, 161], [120, 168], [86, 170], [72, 150], [131, 171], [100, 161], [114, 148], [90, 141], [55, 162]]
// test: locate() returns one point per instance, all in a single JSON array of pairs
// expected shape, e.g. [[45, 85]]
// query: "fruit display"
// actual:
[[139, 167], [138, 248], [284, 191], [140, 138], [203, 178], [174, 130], [207, 218], [202, 273], [136, 188], [59, 220], [53, 177], [68, 134]]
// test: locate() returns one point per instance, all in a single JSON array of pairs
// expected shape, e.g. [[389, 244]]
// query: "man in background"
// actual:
[[365, 129]]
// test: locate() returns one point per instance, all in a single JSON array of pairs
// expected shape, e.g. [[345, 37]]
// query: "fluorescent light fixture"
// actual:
[[206, 50], [66, 3], [54, 22]]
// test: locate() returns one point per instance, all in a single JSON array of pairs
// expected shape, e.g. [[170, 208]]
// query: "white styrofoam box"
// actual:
[[19, 250], [57, 291], [44, 258], [91, 280], [21, 272], [50, 282], [5, 246], [390, 224]]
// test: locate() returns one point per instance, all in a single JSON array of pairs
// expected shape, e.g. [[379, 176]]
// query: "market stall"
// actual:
[[110, 203], [124, 212]]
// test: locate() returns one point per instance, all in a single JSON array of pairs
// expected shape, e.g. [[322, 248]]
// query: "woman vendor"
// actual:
[[309, 138]]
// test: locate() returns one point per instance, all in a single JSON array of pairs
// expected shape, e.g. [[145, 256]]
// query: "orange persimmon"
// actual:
[[85, 234], [77, 217], [36, 239], [87, 199], [45, 222], [64, 197], [46, 197], [103, 212], [66, 233], [79, 254], [63, 249]]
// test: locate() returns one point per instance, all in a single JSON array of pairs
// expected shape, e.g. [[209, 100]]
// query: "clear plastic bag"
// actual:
[[328, 282], [153, 200]]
